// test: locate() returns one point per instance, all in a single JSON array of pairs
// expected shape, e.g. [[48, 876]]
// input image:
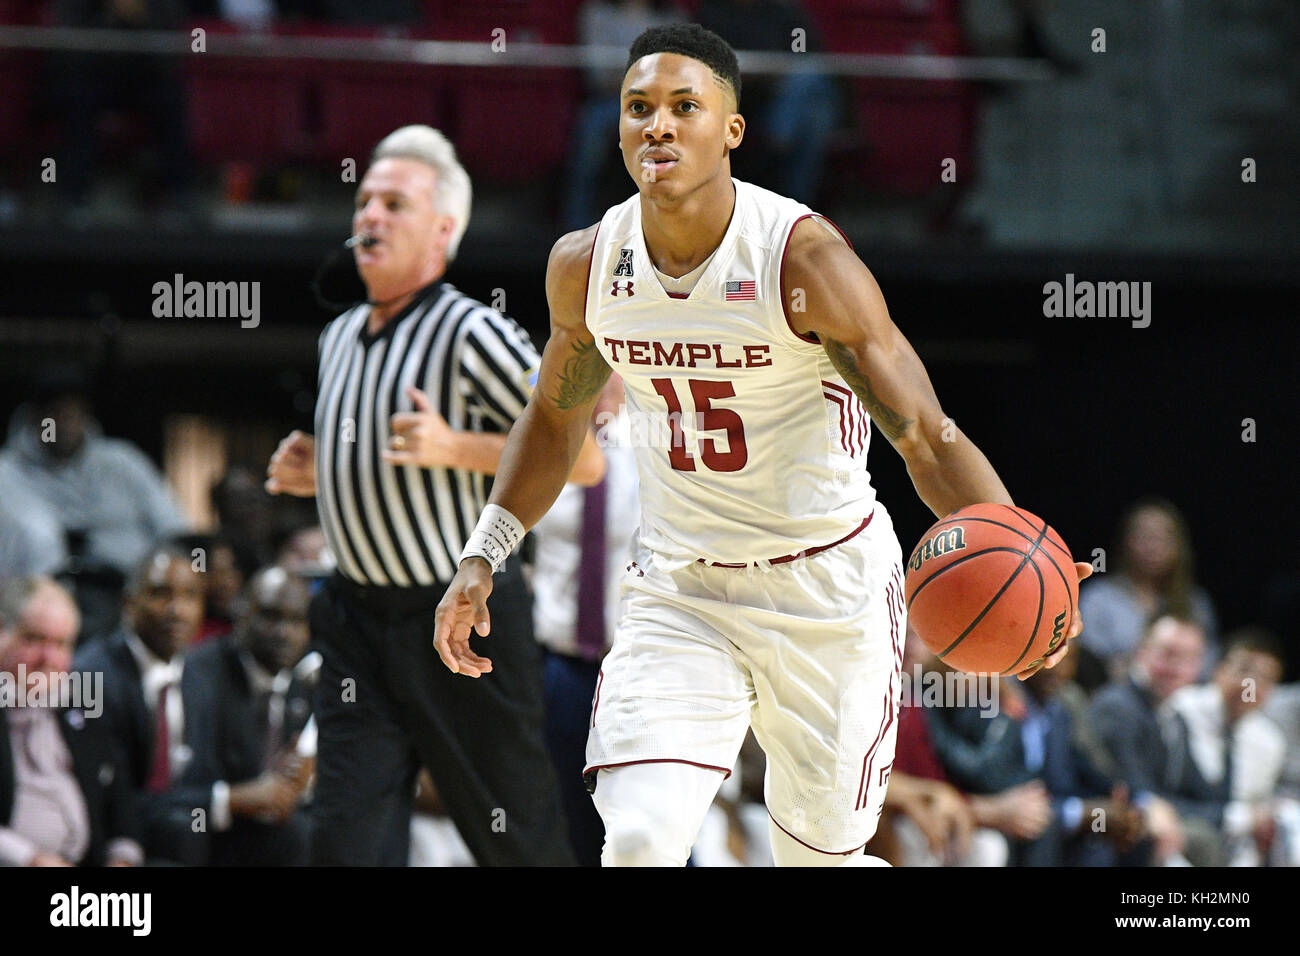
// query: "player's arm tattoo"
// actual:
[[893, 424], [584, 374]]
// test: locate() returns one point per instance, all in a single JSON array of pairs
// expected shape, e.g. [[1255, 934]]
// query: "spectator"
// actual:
[[222, 581], [31, 539], [109, 499], [142, 666], [1154, 575], [794, 113], [1148, 744], [246, 701], [86, 85], [306, 554], [583, 546], [64, 796], [245, 516], [1234, 745], [932, 821], [614, 23], [1284, 709], [1094, 822]]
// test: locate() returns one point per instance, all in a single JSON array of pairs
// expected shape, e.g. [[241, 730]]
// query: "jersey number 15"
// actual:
[[707, 418]]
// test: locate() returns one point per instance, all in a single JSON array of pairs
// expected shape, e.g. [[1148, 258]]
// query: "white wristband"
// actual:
[[496, 535]]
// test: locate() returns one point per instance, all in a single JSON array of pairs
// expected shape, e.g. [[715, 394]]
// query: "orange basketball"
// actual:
[[991, 588]]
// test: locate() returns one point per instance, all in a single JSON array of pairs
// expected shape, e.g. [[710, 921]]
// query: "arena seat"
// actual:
[[910, 126], [242, 109]]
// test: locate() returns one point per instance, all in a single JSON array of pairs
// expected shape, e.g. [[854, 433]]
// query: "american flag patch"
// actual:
[[740, 290]]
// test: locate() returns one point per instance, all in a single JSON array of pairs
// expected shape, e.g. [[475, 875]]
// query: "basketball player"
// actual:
[[767, 588]]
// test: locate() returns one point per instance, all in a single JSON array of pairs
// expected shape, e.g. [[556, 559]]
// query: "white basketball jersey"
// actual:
[[749, 444]]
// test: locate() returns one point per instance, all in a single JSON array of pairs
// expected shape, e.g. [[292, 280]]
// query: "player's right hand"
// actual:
[[292, 470], [462, 610]]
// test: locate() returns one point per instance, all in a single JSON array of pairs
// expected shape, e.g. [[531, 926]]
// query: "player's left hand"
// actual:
[[421, 437], [1083, 569]]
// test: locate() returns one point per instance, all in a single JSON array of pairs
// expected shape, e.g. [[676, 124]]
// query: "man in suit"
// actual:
[[64, 798], [141, 664], [1148, 742], [1093, 821], [247, 697]]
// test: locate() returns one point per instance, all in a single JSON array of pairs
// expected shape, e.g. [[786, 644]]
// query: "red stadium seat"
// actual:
[[242, 109], [510, 125], [910, 126], [355, 104]]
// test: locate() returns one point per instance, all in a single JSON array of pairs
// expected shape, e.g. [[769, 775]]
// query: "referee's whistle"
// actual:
[[360, 239]]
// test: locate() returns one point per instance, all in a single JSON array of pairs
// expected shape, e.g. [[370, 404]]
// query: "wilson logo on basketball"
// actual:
[[950, 539]]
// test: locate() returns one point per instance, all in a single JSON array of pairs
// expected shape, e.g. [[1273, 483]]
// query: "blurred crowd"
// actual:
[[138, 135], [1158, 741]]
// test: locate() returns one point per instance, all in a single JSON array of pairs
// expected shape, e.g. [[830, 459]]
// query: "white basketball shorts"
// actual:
[[808, 652]]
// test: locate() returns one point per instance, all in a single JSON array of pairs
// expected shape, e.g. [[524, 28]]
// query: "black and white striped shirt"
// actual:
[[404, 525]]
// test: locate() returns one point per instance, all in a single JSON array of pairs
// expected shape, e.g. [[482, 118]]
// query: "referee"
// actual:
[[416, 391]]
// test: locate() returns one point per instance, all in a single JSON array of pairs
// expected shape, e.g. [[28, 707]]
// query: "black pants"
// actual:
[[386, 705]]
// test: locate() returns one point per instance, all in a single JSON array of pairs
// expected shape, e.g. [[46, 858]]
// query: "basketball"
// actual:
[[991, 589]]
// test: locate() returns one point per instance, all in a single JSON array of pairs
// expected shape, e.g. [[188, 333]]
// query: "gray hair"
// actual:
[[17, 593], [452, 191]]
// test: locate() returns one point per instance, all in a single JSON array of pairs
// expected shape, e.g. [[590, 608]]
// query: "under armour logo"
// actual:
[[616, 290]]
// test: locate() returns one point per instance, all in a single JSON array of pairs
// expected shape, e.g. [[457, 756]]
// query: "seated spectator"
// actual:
[[971, 751], [31, 537], [930, 822], [246, 701], [1094, 822], [141, 663], [1154, 575], [64, 795], [109, 499], [1148, 744], [1236, 746], [1030, 736], [1284, 710], [222, 578], [306, 554], [245, 517]]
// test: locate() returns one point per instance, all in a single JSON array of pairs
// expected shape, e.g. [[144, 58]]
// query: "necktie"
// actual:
[[591, 574], [160, 768]]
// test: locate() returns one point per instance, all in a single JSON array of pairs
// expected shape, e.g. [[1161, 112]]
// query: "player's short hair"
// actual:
[[452, 192], [690, 39]]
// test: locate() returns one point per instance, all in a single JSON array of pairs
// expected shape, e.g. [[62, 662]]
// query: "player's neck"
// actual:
[[681, 236]]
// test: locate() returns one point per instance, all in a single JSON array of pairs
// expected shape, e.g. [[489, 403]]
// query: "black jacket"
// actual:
[[223, 727], [168, 819], [97, 764]]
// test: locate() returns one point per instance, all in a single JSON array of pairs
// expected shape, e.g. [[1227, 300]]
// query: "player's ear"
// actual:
[[735, 130]]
